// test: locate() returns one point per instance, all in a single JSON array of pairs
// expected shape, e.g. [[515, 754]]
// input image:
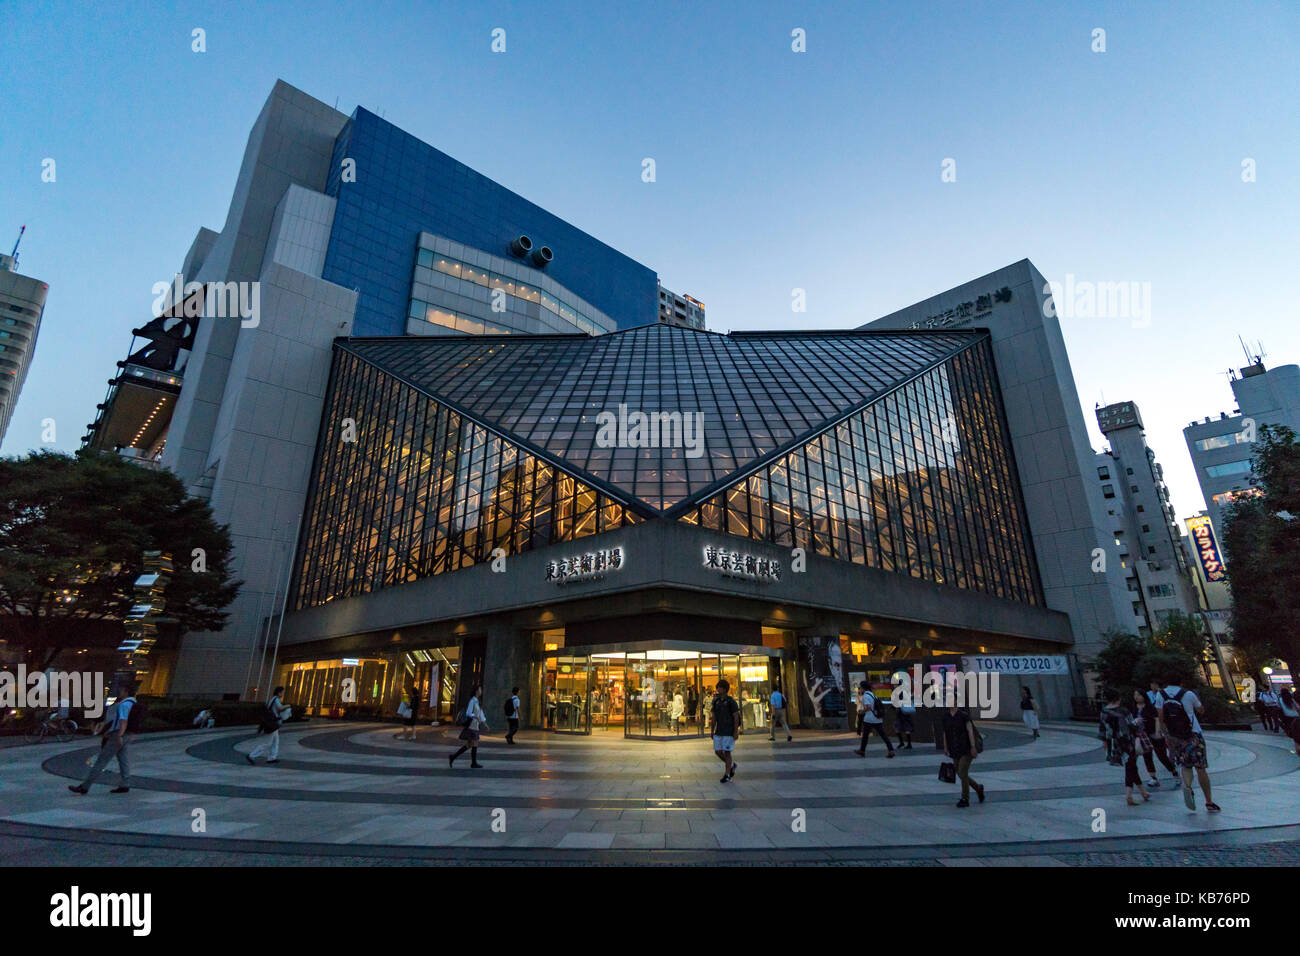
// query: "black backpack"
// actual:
[[1175, 714], [510, 706], [136, 715], [270, 719]]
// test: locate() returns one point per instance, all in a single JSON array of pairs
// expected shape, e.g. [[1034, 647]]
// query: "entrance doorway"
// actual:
[[654, 691]]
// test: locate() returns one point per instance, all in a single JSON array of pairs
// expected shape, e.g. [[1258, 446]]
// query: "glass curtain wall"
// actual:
[[405, 488], [921, 482]]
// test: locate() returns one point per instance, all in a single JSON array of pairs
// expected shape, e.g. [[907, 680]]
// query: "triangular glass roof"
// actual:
[[757, 393]]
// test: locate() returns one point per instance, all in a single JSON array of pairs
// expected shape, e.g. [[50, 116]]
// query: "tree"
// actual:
[[1117, 662], [1261, 538], [73, 529]]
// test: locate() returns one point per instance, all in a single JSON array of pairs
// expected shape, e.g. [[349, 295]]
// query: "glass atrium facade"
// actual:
[[885, 449]]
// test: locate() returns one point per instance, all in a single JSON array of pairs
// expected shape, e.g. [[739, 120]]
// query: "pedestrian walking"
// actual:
[[512, 715], [1272, 709], [408, 710], [776, 713], [904, 723], [1028, 711], [1147, 717], [1151, 723], [1290, 716], [118, 728], [869, 709], [473, 722], [961, 745], [726, 727], [274, 715], [1121, 735], [1186, 742]]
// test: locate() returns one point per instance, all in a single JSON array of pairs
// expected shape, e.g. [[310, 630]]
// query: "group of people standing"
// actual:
[[1161, 723], [1279, 713]]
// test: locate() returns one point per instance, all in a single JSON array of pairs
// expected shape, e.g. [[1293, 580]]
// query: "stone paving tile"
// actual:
[[608, 789]]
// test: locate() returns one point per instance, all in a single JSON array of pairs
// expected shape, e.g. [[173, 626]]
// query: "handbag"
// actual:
[[948, 772], [403, 710]]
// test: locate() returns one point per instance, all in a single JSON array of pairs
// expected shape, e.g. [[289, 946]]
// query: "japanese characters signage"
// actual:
[[591, 566], [963, 311], [740, 564], [1207, 548]]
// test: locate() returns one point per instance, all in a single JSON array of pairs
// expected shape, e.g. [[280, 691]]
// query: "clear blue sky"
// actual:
[[776, 170]]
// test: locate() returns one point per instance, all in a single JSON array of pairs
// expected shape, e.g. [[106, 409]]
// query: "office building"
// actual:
[[680, 310], [22, 302]]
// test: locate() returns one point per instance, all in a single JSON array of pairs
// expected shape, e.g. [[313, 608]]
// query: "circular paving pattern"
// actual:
[[353, 789]]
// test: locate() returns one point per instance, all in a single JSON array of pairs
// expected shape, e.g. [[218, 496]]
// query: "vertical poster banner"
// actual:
[[1207, 548], [821, 679]]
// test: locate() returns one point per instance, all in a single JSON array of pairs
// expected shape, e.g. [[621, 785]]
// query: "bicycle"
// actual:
[[61, 729]]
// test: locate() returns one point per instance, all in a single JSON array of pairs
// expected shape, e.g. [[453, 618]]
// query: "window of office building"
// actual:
[[1229, 468], [1222, 441]]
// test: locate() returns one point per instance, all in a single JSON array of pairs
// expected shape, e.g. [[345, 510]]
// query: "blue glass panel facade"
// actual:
[[404, 186]]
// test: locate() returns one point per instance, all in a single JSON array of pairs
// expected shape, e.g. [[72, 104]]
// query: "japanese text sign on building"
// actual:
[[590, 566], [740, 564], [1207, 548]]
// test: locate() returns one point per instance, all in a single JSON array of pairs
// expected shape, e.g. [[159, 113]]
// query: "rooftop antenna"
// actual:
[[14, 255]]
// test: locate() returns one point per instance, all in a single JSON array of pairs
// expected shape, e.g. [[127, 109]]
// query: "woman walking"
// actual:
[[475, 722], [408, 710], [1121, 732], [1152, 743], [1028, 712]]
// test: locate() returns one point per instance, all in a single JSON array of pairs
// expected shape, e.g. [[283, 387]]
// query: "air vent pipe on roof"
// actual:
[[521, 246], [542, 255]]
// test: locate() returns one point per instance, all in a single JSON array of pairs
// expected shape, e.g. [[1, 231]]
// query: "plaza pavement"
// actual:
[[351, 793]]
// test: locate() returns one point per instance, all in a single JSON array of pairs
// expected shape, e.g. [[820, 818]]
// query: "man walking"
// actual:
[[1186, 742], [512, 715], [119, 727], [776, 704], [271, 721], [872, 720], [726, 727]]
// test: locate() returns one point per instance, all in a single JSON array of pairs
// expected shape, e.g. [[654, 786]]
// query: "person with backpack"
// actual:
[[1121, 730], [726, 727], [512, 715], [776, 712], [870, 711], [473, 722], [1028, 710], [118, 728], [272, 717], [1178, 707], [1157, 734], [962, 744]]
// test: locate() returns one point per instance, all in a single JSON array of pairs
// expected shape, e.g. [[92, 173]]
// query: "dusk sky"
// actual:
[[775, 170]]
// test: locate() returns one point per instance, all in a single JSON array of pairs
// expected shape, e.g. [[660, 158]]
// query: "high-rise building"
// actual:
[[393, 379], [1143, 521], [22, 302], [1221, 446], [680, 310], [339, 225]]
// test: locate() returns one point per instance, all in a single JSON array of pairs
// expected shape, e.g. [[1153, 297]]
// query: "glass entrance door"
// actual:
[[572, 694]]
